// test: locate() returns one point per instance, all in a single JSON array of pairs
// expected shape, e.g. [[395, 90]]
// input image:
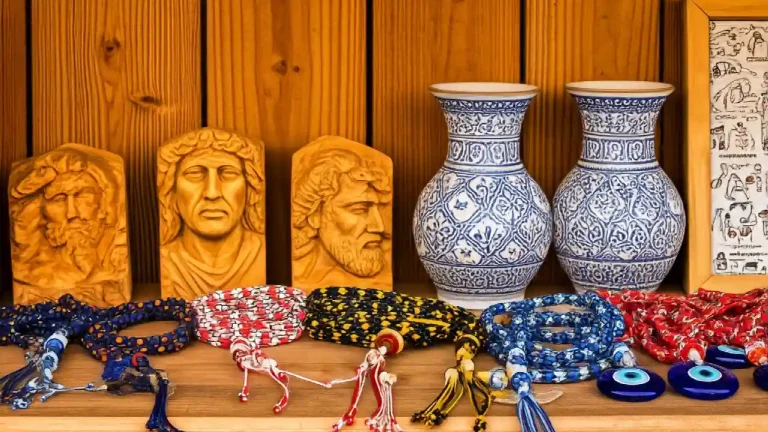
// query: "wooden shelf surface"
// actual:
[[207, 383]]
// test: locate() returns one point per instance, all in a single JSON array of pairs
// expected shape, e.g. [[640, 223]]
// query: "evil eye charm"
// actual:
[[761, 377], [631, 384], [728, 357], [704, 382]]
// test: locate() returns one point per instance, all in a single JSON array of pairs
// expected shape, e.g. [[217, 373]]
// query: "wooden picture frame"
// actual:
[[699, 272]]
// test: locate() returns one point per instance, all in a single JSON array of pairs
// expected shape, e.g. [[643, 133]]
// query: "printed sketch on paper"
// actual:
[[739, 146]]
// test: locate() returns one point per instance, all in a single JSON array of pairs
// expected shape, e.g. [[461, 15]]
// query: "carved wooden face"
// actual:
[[210, 192], [71, 207], [352, 228]]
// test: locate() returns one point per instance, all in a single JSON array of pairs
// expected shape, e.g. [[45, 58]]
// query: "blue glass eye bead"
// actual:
[[761, 377], [728, 357], [631, 384], [703, 382]]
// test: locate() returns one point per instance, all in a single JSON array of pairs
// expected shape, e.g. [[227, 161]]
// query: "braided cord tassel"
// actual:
[[458, 380], [532, 417], [158, 420]]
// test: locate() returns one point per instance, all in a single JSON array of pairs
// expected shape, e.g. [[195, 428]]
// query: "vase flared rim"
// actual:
[[483, 90], [613, 88]]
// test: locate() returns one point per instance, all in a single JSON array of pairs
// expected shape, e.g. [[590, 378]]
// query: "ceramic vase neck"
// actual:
[[619, 132], [484, 134]]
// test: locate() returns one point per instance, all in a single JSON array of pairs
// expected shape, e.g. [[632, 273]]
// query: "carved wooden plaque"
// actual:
[[210, 186], [341, 215], [68, 227]]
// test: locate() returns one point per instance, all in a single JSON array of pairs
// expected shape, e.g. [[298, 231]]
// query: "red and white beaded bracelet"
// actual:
[[674, 328], [247, 319]]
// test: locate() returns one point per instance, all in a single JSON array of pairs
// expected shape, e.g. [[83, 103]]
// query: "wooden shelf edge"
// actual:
[[452, 424]]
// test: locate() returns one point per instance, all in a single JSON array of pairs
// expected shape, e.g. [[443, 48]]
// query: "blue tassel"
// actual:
[[158, 420], [532, 417], [14, 379]]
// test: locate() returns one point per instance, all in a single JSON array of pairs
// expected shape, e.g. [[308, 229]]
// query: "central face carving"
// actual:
[[210, 192], [210, 185], [341, 215]]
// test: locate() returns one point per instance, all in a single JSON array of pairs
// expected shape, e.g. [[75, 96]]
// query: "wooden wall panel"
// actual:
[[286, 72], [672, 113], [122, 76], [13, 112], [415, 44], [572, 41]]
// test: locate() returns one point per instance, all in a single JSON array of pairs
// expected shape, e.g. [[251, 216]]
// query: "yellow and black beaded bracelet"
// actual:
[[354, 316], [367, 317]]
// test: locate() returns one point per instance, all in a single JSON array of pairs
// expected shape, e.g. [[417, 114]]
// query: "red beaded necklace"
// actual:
[[676, 328], [247, 319]]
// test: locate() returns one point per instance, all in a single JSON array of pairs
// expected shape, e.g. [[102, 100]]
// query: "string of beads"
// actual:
[[45, 330], [516, 344], [264, 315], [247, 319], [676, 328], [48, 327], [354, 316], [383, 320]]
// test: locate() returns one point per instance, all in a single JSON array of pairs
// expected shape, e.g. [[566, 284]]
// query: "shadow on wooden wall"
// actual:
[[125, 75]]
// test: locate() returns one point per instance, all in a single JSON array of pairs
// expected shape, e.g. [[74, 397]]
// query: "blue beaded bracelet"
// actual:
[[517, 344]]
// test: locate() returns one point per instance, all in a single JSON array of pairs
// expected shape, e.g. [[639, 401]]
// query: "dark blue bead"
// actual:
[[114, 368], [631, 384], [728, 357], [704, 382], [761, 377]]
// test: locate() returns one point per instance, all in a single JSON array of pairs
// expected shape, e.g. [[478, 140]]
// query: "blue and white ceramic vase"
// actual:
[[619, 221], [482, 226]]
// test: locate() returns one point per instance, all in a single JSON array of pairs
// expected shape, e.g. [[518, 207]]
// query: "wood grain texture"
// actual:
[[671, 121], [282, 423], [208, 381], [415, 44], [286, 72], [733, 9], [570, 41], [13, 111], [123, 76]]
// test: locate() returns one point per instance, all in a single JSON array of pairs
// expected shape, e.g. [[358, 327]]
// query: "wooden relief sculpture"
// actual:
[[211, 190], [68, 227], [341, 215]]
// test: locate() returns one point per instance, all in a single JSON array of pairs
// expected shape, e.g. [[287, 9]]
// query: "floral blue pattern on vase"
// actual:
[[482, 226], [619, 221]]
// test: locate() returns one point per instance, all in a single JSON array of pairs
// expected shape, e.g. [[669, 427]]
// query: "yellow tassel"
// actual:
[[458, 380]]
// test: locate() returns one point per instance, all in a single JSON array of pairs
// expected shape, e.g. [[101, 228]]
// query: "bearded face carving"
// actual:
[[68, 227], [341, 215]]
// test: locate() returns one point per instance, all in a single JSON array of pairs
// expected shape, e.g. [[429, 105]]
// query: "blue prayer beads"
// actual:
[[517, 344], [592, 335]]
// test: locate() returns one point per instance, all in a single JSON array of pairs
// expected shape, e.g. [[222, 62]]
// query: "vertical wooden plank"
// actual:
[[123, 76], [13, 114], [672, 113], [286, 72], [415, 44], [570, 41]]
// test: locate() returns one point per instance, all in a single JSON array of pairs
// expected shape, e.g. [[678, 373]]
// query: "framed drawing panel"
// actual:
[[726, 130]]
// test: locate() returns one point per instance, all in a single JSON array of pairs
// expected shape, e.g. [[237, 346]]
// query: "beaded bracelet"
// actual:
[[675, 328], [517, 345], [127, 369], [45, 330], [386, 322], [247, 319]]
